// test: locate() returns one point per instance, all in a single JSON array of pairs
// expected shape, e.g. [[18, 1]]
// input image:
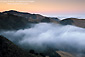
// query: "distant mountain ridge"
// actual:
[[18, 20], [74, 21], [14, 20], [27, 15], [23, 14]]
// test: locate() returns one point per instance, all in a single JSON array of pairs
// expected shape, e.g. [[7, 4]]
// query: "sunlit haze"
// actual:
[[45, 7]]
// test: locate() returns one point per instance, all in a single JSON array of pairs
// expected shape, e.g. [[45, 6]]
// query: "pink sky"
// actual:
[[46, 7]]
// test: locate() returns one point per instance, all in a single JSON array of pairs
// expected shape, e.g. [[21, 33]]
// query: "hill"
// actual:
[[13, 20], [73, 21], [8, 49]]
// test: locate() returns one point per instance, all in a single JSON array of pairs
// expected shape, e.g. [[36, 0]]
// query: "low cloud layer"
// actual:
[[43, 35]]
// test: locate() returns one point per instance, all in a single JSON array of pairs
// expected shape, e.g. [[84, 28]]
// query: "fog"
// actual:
[[43, 35]]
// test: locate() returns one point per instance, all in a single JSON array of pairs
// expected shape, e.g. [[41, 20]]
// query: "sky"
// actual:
[[45, 7]]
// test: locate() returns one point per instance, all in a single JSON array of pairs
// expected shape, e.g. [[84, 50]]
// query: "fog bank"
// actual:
[[43, 35]]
